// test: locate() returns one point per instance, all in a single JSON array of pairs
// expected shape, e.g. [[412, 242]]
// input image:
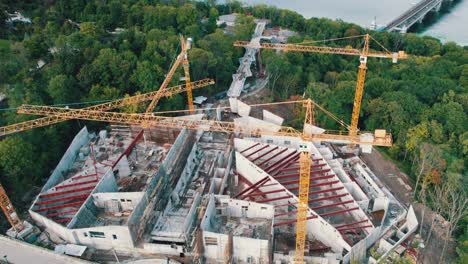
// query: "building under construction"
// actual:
[[214, 197], [226, 189]]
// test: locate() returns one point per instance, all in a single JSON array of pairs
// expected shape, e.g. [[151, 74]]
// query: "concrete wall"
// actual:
[[117, 237], [86, 215], [272, 118], [257, 250], [254, 210], [67, 160], [131, 199], [249, 124], [318, 227]]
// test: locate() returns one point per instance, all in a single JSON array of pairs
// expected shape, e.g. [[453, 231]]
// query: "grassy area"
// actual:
[[4, 45]]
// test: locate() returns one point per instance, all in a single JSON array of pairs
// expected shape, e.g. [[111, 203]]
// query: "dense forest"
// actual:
[[93, 51]]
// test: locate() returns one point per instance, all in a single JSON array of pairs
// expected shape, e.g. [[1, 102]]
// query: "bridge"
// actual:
[[413, 15]]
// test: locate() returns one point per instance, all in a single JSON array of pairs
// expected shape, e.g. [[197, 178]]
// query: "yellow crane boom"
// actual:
[[45, 121], [363, 54], [211, 125], [353, 128]]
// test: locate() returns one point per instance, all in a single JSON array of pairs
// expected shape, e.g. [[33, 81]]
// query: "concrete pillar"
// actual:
[[437, 7]]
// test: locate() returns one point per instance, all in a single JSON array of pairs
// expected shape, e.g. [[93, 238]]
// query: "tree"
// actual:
[[63, 89], [18, 163], [456, 205]]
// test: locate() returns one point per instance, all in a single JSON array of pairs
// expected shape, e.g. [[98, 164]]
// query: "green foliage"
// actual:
[[423, 100], [18, 163]]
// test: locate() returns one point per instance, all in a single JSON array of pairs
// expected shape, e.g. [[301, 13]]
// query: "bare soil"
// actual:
[[398, 182]]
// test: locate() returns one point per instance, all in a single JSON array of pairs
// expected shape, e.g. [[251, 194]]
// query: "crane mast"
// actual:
[[305, 160], [363, 54], [9, 210], [304, 181], [180, 58], [361, 78]]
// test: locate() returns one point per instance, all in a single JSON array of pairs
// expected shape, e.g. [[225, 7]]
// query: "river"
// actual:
[[448, 27]]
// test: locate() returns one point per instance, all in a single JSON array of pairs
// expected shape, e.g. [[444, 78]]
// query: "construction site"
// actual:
[[224, 182]]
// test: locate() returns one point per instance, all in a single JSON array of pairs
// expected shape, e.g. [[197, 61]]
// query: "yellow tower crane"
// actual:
[[132, 100], [9, 211], [209, 125], [353, 128], [306, 135], [363, 55], [182, 57]]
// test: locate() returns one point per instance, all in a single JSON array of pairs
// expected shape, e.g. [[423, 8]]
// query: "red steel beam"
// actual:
[[310, 186], [326, 190], [272, 157], [66, 192], [332, 205], [279, 161], [339, 211], [274, 199], [296, 175], [63, 220], [328, 198], [75, 178], [242, 178], [315, 192], [263, 193], [129, 148], [346, 238], [61, 206], [354, 228], [283, 164], [264, 154], [311, 173], [292, 221], [286, 213], [319, 249], [298, 168], [258, 150], [251, 147], [75, 184], [353, 223], [68, 198], [319, 159], [253, 186], [62, 213]]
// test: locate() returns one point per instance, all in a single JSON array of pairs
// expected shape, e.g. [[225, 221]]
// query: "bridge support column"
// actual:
[[438, 6]]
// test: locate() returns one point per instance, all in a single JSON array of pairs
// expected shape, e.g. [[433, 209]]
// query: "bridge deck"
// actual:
[[424, 6]]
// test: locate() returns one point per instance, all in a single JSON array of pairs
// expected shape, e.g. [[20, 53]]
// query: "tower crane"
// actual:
[[181, 58], [45, 121], [230, 127], [378, 139], [153, 96], [363, 55], [353, 128], [9, 211]]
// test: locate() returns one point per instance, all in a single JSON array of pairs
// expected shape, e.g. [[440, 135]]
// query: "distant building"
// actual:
[[18, 17], [228, 20]]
